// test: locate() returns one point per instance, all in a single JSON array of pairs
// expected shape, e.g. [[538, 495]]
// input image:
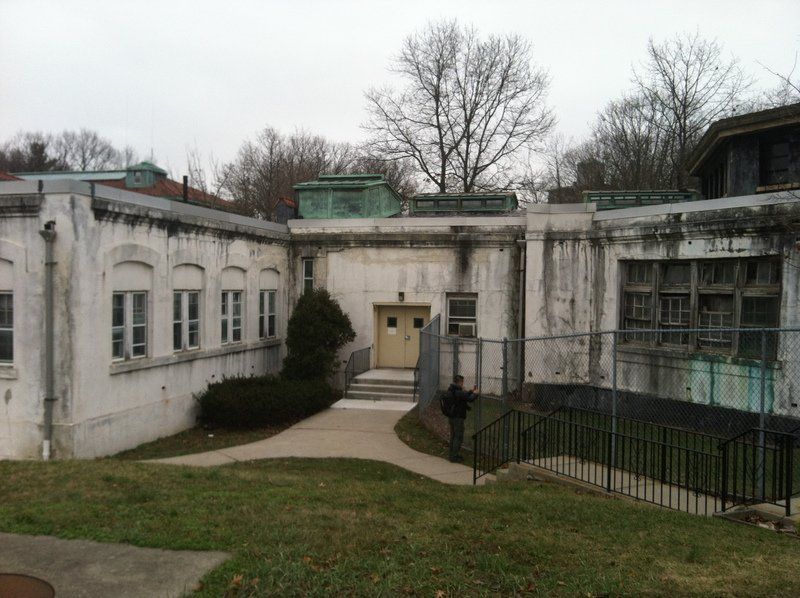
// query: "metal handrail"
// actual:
[[357, 363]]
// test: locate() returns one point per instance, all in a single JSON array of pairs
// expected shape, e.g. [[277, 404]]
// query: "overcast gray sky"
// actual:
[[173, 75]]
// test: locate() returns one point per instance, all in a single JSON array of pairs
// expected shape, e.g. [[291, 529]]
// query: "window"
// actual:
[[709, 301], [266, 314], [6, 328], [775, 160], [308, 274], [231, 312], [129, 325], [462, 315], [185, 320]]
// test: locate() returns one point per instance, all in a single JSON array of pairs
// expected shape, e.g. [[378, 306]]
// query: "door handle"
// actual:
[[408, 337]]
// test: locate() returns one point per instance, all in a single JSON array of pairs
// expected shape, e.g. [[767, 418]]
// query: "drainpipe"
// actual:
[[49, 235], [522, 244]]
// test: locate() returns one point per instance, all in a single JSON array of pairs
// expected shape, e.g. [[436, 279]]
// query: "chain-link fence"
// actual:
[[719, 381]]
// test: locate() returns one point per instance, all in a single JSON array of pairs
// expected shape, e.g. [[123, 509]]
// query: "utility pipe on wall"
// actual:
[[48, 233]]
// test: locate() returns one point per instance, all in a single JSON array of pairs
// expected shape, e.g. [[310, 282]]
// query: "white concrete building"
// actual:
[[154, 299]]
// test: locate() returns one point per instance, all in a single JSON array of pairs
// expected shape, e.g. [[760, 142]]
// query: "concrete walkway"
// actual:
[[84, 568], [352, 429]]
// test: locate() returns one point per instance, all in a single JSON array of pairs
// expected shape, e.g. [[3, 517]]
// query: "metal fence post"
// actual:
[[789, 473], [612, 445], [456, 360], [762, 416], [504, 398], [479, 382]]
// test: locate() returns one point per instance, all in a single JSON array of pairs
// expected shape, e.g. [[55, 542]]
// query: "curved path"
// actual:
[[351, 429]]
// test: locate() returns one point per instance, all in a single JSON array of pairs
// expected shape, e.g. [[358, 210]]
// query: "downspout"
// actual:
[[49, 235]]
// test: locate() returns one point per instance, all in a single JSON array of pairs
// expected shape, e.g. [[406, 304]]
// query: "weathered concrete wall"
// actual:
[[573, 286], [367, 263], [103, 405]]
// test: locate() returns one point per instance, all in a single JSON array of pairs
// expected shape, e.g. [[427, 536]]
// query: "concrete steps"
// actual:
[[383, 385]]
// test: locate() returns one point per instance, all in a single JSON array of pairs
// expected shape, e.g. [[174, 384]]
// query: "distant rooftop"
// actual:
[[448, 203], [613, 200], [335, 196], [350, 181]]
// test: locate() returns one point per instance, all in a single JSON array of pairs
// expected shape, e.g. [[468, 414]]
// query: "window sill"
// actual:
[[190, 355], [8, 372], [777, 187], [686, 355]]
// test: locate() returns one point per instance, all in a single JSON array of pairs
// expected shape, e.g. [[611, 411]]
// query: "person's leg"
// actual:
[[459, 437], [453, 446]]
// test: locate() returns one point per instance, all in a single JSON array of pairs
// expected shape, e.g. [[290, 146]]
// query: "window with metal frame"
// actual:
[[128, 325], [185, 320], [6, 327], [717, 299], [267, 314], [462, 319], [231, 316]]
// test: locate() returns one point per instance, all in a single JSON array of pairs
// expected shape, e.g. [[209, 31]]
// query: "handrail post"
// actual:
[[724, 492], [789, 460], [612, 444], [762, 418], [519, 434]]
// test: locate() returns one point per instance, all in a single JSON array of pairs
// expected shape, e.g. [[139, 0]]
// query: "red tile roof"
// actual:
[[170, 189], [4, 176]]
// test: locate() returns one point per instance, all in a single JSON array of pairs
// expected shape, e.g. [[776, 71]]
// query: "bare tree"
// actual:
[[633, 146], [86, 150], [688, 84], [30, 152], [267, 168], [468, 107], [207, 176], [788, 89]]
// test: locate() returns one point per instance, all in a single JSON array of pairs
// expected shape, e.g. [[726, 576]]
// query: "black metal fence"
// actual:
[[643, 412]]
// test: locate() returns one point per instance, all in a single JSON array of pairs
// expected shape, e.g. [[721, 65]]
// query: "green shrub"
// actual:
[[262, 401], [317, 330]]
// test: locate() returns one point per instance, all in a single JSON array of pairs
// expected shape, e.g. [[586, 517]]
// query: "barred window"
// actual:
[[715, 299]]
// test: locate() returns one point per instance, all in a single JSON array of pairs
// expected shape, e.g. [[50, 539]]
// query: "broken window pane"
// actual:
[[717, 273], [640, 272], [638, 315], [676, 274], [762, 272], [716, 312], [674, 313]]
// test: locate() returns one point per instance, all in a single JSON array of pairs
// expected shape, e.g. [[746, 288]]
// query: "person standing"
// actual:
[[458, 400]]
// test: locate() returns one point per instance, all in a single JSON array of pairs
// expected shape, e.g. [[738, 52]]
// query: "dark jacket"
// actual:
[[460, 399]]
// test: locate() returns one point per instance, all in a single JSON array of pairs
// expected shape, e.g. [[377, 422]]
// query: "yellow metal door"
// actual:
[[415, 320], [391, 336]]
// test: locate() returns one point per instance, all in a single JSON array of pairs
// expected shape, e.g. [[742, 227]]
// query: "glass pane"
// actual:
[[139, 337], [261, 326], [224, 303], [462, 308], [194, 334], [639, 272], [674, 313], [261, 302], [194, 305], [139, 308], [236, 303], [6, 310], [118, 309], [176, 306], [759, 312], [716, 311], [391, 322], [308, 268], [717, 273], [225, 330], [6, 346], [271, 332], [762, 273], [237, 331], [419, 322], [177, 341], [271, 302], [676, 274]]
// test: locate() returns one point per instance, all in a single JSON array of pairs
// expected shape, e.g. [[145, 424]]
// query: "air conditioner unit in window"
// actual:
[[466, 330]]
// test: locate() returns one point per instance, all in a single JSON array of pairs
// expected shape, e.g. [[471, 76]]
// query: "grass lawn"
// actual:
[[320, 527], [197, 440]]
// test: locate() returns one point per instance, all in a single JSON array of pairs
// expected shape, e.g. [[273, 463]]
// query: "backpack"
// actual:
[[446, 403]]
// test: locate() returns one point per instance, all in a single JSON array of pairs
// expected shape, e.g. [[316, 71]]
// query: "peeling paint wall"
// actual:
[[573, 286]]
